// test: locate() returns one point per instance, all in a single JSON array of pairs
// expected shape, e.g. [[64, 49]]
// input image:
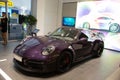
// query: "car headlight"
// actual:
[[48, 50]]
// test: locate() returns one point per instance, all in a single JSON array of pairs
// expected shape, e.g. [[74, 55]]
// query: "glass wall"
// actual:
[[16, 9]]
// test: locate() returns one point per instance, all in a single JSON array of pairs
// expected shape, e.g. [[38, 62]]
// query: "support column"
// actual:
[[60, 6], [47, 12]]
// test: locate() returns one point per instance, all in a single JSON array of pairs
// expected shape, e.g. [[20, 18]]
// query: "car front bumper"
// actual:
[[35, 67]]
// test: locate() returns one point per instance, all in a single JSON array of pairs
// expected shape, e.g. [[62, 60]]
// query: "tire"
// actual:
[[114, 27], [64, 62], [86, 25], [98, 49]]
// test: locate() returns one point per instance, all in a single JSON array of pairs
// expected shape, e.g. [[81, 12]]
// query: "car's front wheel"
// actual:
[[64, 62], [86, 25]]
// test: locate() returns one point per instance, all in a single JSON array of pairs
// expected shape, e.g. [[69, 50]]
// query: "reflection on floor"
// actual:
[[91, 69], [115, 75]]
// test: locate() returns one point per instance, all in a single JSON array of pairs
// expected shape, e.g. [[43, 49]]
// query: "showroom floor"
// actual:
[[90, 69]]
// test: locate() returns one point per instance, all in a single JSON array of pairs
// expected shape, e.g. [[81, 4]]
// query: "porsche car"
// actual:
[[103, 21], [57, 51], [99, 15]]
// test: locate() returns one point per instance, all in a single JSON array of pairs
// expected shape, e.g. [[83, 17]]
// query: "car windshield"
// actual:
[[65, 33], [105, 18]]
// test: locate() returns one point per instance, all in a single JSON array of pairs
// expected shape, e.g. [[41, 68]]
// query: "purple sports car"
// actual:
[[57, 51]]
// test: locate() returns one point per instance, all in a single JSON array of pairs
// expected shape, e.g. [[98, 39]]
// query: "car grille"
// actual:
[[31, 64]]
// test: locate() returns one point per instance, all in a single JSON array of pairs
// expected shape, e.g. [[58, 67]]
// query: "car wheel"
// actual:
[[114, 27], [98, 49], [86, 25], [64, 62]]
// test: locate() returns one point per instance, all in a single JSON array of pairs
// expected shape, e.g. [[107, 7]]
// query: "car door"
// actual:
[[82, 47]]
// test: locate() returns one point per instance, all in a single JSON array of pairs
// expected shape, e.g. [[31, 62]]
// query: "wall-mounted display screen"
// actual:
[[103, 16], [68, 21]]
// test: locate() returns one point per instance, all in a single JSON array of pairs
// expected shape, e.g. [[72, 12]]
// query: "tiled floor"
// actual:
[[90, 69]]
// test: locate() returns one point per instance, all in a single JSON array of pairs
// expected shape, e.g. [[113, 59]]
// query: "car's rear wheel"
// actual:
[[114, 27], [98, 49], [64, 62]]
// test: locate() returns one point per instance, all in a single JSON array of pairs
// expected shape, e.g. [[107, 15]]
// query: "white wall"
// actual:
[[34, 8], [69, 9], [40, 10], [47, 15], [51, 13]]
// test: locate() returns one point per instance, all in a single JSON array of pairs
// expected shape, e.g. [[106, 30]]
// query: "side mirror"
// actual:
[[34, 32]]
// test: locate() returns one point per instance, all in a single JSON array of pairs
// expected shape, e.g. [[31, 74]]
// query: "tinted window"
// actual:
[[66, 33], [82, 35]]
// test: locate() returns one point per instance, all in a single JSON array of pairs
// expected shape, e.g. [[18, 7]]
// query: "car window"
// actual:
[[82, 35], [104, 18], [71, 34], [68, 34], [88, 33]]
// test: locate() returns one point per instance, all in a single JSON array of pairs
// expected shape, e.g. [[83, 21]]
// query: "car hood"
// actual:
[[33, 47], [51, 40]]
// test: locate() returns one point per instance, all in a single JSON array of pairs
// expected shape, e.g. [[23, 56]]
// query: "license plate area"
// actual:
[[17, 57]]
